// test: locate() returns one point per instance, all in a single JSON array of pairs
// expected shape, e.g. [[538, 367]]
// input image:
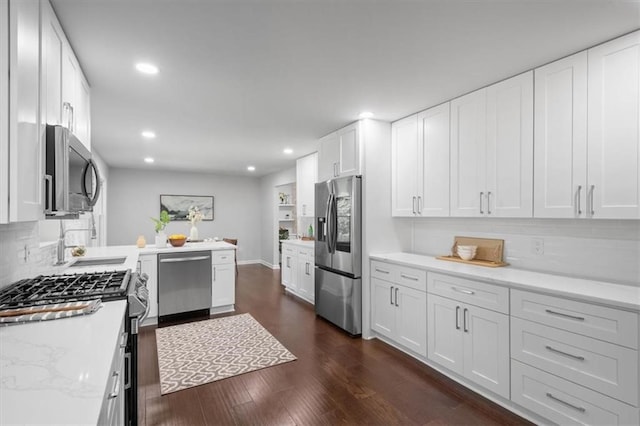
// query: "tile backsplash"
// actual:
[[21, 254], [607, 250]]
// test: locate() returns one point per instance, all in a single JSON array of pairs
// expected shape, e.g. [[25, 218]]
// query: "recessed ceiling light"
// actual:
[[148, 160], [251, 168], [288, 151], [148, 134], [366, 114], [146, 68]]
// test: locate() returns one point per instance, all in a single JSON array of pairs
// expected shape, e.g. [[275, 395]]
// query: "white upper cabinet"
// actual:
[[492, 150], [306, 177], [433, 155], [468, 154], [420, 164], [66, 92], [339, 153], [613, 134], [587, 143], [4, 109], [404, 166], [26, 135], [560, 156]]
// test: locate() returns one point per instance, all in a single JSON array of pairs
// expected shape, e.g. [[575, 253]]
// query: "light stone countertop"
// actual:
[[611, 294], [300, 243], [57, 372]]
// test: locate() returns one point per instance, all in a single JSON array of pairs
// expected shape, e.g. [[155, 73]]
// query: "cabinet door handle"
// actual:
[[481, 196], [409, 277], [575, 407], [127, 360], [489, 202], [461, 290], [464, 320], [457, 317], [397, 296], [592, 211], [579, 358], [419, 204], [48, 181], [123, 340], [115, 389], [549, 311], [413, 205], [579, 200], [391, 295], [214, 273], [382, 271]]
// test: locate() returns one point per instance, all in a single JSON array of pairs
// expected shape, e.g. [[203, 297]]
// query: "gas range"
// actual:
[[107, 286]]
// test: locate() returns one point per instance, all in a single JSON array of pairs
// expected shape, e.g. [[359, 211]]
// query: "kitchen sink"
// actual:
[[98, 261]]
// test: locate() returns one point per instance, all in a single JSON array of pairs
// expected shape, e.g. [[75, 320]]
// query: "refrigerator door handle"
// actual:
[[328, 224]]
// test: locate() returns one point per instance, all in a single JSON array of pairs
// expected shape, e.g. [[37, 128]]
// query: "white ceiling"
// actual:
[[240, 80]]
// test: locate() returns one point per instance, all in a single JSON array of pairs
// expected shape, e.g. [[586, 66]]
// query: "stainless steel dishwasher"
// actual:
[[184, 282]]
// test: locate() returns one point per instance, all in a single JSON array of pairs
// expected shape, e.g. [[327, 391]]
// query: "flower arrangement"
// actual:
[[194, 216]]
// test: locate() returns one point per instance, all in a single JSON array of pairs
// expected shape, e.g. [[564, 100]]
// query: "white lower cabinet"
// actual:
[[574, 362], [148, 264], [398, 311], [298, 273], [112, 411], [223, 276], [564, 402], [470, 341]]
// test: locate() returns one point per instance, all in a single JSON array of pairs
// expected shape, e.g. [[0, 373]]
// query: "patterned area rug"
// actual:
[[201, 352]]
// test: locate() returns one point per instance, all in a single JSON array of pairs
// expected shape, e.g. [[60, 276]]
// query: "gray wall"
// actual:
[[134, 197], [269, 199]]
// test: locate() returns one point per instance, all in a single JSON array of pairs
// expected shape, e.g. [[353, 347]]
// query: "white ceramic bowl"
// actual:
[[467, 252]]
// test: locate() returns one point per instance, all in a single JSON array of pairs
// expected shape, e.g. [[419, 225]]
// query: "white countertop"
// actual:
[[205, 245], [57, 372], [301, 243], [622, 296]]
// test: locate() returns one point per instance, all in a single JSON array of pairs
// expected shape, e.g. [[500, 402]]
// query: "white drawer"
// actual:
[[384, 271], [222, 257], [608, 324], [564, 402], [288, 249], [398, 274], [601, 366], [306, 252], [476, 293]]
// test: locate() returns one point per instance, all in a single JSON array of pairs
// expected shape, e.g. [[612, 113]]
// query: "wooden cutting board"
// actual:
[[489, 252]]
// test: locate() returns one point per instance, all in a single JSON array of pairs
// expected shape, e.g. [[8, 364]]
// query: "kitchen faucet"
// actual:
[[63, 232]]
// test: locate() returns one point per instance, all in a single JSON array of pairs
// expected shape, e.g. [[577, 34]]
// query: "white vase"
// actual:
[[193, 234], [161, 240]]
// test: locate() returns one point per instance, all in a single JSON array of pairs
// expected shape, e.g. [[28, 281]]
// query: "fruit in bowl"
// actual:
[[177, 240]]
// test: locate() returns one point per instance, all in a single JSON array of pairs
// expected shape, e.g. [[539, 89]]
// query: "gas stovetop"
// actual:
[[47, 289]]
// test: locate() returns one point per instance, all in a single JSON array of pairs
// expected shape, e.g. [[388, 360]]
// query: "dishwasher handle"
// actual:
[[184, 259]]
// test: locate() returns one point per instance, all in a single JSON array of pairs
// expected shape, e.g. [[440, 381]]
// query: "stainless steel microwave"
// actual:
[[72, 179]]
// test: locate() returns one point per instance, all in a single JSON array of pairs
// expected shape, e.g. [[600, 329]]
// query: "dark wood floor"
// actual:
[[335, 380]]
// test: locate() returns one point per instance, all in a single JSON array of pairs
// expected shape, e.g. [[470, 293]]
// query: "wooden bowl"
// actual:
[[177, 242]]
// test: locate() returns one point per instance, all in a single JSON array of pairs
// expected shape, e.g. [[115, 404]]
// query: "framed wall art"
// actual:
[[178, 205]]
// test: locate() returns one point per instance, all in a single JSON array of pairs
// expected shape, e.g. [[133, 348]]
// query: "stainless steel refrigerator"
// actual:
[[338, 252]]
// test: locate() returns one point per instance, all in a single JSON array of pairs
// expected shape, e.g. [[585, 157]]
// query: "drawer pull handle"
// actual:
[[549, 311], [382, 271], [575, 407], [579, 358], [461, 290], [409, 277], [116, 385]]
